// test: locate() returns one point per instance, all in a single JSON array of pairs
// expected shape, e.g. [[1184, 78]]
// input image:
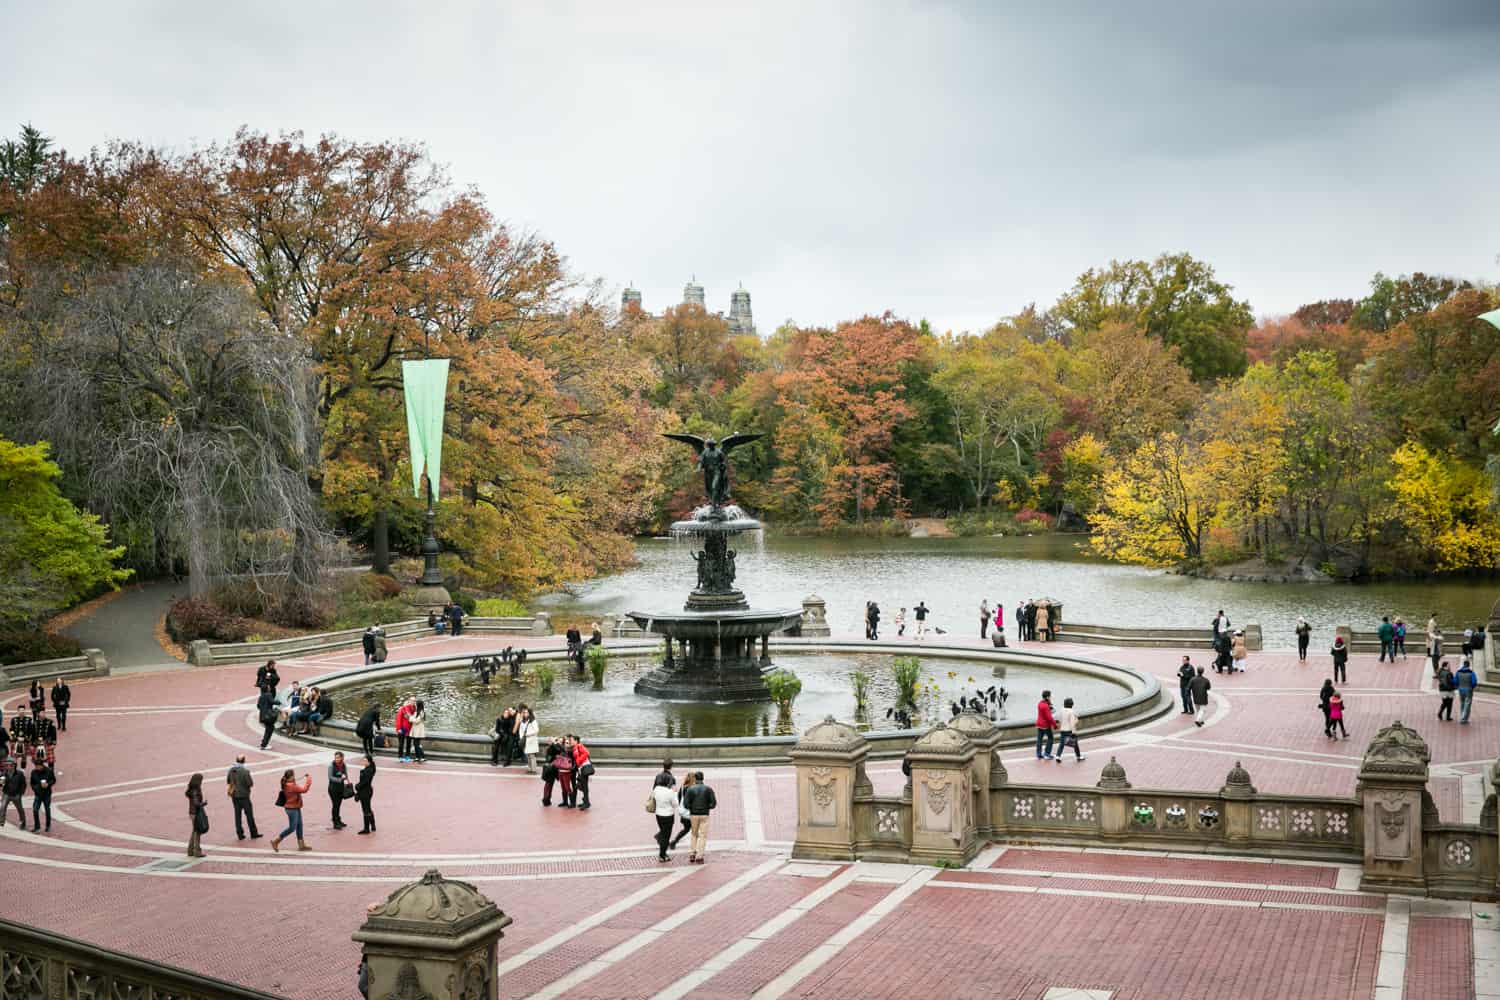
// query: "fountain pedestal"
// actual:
[[717, 647]]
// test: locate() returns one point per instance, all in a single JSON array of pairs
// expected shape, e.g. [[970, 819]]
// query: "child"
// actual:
[[1336, 715]]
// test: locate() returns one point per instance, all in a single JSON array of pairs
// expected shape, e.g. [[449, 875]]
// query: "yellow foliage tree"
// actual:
[[1084, 463], [1445, 505], [1156, 504]]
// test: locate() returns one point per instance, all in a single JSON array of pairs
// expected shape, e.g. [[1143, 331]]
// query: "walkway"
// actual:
[[125, 628], [596, 916]]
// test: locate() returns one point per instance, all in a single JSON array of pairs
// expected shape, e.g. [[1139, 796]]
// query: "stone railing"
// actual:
[[960, 796], [91, 664], [40, 965], [1159, 638], [203, 653]]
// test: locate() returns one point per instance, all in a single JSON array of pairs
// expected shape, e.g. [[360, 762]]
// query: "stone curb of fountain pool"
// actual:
[[1146, 702]]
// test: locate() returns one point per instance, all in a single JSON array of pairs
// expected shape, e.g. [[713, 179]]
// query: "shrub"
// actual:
[[597, 659], [465, 601], [500, 607], [24, 646], [784, 686], [1027, 515], [381, 586], [907, 671], [192, 618], [545, 675], [860, 682]]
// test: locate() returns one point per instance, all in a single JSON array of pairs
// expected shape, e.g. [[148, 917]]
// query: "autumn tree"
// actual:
[[1157, 504], [1130, 387], [1445, 506], [1394, 300]]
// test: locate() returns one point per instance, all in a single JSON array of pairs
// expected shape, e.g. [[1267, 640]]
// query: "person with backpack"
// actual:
[[1185, 674], [1465, 681], [1399, 639], [1200, 686], [1446, 687], [1340, 654]]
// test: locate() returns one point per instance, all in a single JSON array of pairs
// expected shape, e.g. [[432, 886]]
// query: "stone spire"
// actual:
[[629, 295], [692, 293], [740, 320]]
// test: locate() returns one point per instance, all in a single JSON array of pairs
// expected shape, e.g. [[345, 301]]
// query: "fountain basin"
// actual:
[[715, 656]]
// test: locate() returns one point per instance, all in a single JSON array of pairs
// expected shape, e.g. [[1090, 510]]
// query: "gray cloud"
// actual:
[[952, 161]]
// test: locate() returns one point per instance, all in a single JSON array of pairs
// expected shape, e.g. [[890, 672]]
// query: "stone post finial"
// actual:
[[1112, 778], [1237, 783]]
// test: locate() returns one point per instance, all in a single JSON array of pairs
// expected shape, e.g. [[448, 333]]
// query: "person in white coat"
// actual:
[[527, 732], [418, 732], [663, 803]]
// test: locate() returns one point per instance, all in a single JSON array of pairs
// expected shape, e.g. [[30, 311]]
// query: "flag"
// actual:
[[1492, 317], [425, 384]]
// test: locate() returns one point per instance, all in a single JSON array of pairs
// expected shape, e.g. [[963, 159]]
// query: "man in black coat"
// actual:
[[14, 790], [1185, 674], [364, 793], [265, 708], [367, 641], [42, 780], [62, 697], [366, 728]]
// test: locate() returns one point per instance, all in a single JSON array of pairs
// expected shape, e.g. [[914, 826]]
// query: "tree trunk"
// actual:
[[380, 541]]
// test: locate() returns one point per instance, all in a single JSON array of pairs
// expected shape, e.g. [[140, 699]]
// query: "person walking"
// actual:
[[526, 735], [1399, 638], [1465, 681], [1304, 636], [984, 619], [1067, 725], [364, 793], [1336, 715], [583, 770], [1045, 723], [663, 804], [1446, 687], [1199, 686], [1387, 634], [290, 799], [1185, 675], [62, 697], [239, 782], [14, 791], [43, 779], [265, 707], [1325, 696], [366, 729], [338, 782], [700, 801], [417, 731], [197, 816], [1435, 650], [920, 612], [1340, 654], [682, 813]]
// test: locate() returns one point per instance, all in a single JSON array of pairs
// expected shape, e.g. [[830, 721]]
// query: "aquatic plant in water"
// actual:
[[907, 672]]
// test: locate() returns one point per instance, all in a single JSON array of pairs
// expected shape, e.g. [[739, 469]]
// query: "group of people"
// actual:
[[239, 783], [1035, 620], [576, 643], [692, 803], [567, 764], [28, 754], [373, 642], [516, 734], [919, 615], [451, 618], [1059, 725]]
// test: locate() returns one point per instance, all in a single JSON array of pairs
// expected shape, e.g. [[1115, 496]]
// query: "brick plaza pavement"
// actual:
[[596, 916]]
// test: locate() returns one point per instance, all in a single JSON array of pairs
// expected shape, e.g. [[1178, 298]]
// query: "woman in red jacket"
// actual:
[[291, 801], [583, 769]]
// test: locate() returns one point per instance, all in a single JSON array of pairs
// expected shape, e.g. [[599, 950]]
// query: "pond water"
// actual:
[[456, 701], [952, 574]]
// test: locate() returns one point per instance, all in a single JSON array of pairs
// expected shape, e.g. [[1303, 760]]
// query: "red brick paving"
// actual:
[[1440, 958], [1157, 866]]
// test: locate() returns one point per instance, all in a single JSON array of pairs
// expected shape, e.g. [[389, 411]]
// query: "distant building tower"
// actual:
[[628, 296], [692, 293], [740, 320]]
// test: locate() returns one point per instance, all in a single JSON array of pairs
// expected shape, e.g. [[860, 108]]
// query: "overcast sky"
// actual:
[[941, 160]]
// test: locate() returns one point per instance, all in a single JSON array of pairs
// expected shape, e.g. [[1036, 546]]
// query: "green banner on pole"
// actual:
[[1492, 317], [426, 385]]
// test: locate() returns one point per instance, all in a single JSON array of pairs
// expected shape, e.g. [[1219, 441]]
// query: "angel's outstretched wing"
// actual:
[[696, 442], [735, 440]]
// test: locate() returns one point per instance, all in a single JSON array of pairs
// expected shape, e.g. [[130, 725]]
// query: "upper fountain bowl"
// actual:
[[709, 519]]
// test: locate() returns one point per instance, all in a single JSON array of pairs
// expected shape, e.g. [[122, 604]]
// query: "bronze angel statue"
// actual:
[[713, 459]]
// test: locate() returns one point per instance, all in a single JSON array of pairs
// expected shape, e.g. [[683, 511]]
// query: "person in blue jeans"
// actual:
[[1465, 680], [1044, 726]]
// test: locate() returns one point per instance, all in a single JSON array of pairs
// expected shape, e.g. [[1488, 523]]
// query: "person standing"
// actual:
[[1336, 715], [265, 707], [999, 623], [500, 735], [1465, 681], [1435, 650], [240, 781], [1238, 650], [456, 617], [267, 678], [682, 813], [1044, 621], [1221, 624], [197, 816], [1044, 726], [37, 700], [1340, 654], [338, 780], [417, 722], [869, 628], [583, 770], [379, 653], [901, 621], [1304, 636], [62, 697], [527, 736], [984, 618], [874, 620], [290, 799], [1067, 725], [920, 611], [664, 805], [403, 730], [1325, 695], [14, 791], [1446, 687], [364, 792], [562, 765], [1199, 686], [700, 801], [366, 728], [367, 641], [43, 779], [1185, 674], [1400, 638], [1021, 622], [1387, 634]]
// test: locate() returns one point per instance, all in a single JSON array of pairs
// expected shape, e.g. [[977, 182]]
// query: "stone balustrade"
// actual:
[[959, 796], [202, 653], [92, 663], [1157, 638]]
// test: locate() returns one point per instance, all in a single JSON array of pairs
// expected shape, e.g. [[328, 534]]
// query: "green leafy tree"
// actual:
[[1394, 300], [51, 554]]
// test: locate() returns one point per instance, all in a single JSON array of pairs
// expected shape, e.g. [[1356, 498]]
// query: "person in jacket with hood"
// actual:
[[1044, 726], [1465, 681], [1340, 654]]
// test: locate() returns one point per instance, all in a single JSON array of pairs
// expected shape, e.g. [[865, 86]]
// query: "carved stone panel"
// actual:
[[935, 812], [822, 796], [1391, 838]]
